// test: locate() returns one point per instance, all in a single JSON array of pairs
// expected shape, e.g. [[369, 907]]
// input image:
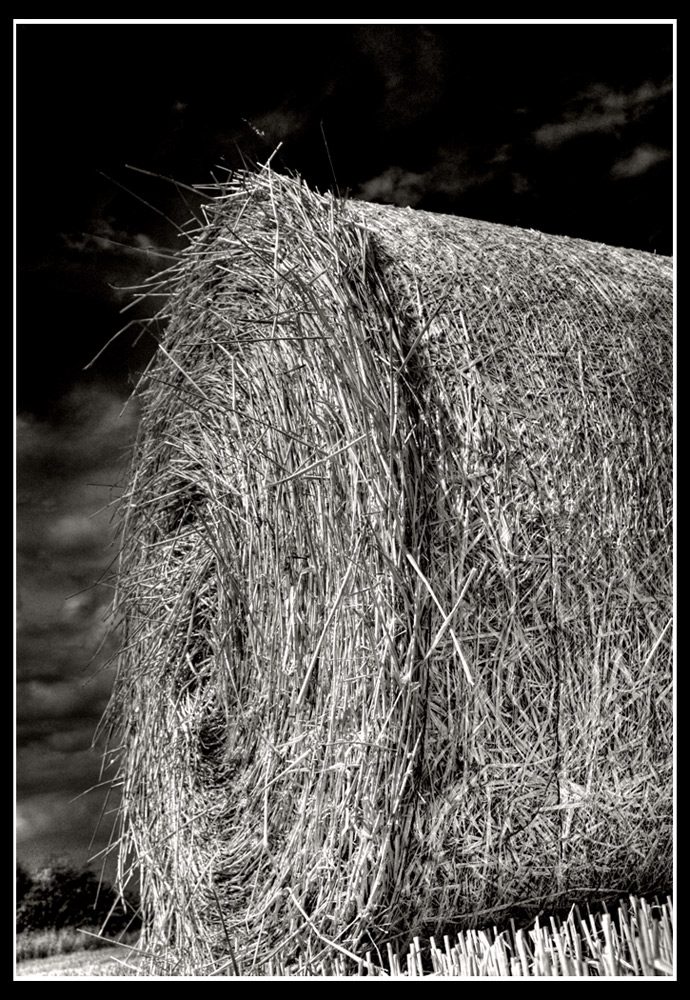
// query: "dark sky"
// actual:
[[563, 127]]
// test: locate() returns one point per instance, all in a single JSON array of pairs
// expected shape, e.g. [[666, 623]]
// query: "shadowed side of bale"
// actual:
[[395, 580]]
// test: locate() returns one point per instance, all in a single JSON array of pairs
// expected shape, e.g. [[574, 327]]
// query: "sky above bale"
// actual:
[[562, 127]]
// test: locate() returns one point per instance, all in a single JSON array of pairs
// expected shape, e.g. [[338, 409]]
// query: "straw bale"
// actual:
[[395, 581]]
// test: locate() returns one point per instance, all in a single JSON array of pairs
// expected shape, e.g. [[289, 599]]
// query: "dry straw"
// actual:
[[636, 941], [395, 583]]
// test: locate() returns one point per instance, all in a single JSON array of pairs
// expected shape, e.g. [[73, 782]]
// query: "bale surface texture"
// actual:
[[395, 580]]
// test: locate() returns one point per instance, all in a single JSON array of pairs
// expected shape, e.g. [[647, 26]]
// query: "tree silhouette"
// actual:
[[60, 896]]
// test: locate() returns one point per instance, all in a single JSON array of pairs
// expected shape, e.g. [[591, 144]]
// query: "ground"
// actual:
[[103, 962]]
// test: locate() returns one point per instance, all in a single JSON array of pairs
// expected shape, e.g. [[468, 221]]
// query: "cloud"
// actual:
[[642, 159], [411, 66], [60, 796], [41, 815], [93, 433], [67, 478], [395, 186], [601, 109], [66, 545], [74, 531], [56, 825], [452, 174], [104, 262], [71, 698], [105, 237]]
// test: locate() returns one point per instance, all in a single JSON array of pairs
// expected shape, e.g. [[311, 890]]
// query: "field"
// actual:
[[69, 951], [636, 941], [104, 962]]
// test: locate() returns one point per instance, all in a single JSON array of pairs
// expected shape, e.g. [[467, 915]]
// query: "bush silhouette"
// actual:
[[60, 896]]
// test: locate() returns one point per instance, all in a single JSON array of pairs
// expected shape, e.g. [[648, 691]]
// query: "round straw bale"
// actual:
[[395, 580]]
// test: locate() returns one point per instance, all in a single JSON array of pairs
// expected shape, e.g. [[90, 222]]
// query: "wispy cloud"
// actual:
[[70, 700], [106, 237], [65, 546], [94, 432], [600, 109], [642, 159], [395, 186], [58, 825], [452, 174], [66, 476]]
